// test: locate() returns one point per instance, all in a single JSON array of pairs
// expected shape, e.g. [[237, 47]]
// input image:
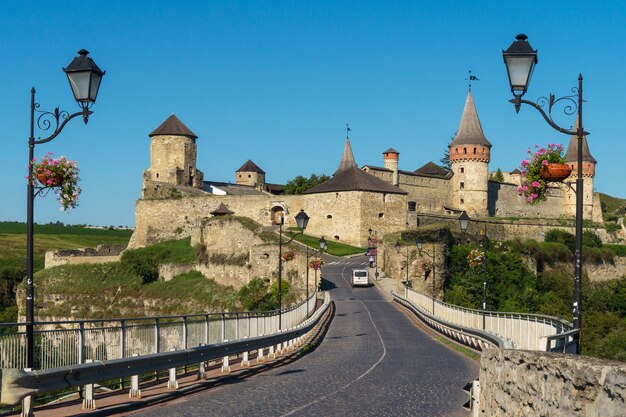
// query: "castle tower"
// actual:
[[391, 157], [250, 174], [589, 172], [469, 159], [173, 155]]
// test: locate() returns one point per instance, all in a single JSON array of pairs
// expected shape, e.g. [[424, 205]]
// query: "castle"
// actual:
[[176, 197]]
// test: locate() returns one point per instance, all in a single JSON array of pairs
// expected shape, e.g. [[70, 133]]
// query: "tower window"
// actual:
[[412, 205], [381, 215], [474, 151], [330, 216], [157, 175], [462, 170], [464, 151], [249, 175], [462, 201], [462, 186]]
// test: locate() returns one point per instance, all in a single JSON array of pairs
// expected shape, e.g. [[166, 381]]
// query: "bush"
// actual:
[[145, 262], [256, 296], [617, 250], [561, 236]]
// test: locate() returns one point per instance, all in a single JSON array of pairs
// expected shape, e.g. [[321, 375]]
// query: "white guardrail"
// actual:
[[18, 384], [521, 331], [65, 343]]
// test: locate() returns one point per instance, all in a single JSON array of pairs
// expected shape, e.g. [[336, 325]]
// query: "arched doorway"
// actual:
[[277, 213]]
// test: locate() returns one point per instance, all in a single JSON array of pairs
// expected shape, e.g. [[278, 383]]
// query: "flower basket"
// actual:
[[60, 174], [289, 256], [475, 258], [555, 172], [316, 264], [539, 169]]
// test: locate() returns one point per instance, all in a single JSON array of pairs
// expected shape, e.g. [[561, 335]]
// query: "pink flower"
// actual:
[[536, 184], [544, 162]]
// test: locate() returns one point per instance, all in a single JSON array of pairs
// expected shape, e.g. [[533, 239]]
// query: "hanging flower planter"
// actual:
[[289, 256], [541, 167], [60, 174], [555, 172]]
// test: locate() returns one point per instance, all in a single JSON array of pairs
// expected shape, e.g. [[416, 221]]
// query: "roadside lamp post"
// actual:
[[406, 257], [520, 60], [302, 220], [323, 246], [432, 256], [372, 243], [84, 77], [464, 220]]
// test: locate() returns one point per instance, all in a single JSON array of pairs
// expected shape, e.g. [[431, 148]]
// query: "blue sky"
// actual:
[[276, 82]]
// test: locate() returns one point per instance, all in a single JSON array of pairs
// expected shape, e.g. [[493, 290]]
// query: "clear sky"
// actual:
[[276, 82]]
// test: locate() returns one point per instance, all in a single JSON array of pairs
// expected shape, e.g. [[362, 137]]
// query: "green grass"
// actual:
[[617, 250], [461, 349], [333, 248]]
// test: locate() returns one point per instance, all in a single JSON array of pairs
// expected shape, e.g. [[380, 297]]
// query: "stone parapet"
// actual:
[[526, 383]]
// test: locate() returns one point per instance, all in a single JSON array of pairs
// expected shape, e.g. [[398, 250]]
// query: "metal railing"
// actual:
[[525, 331], [18, 384], [66, 343]]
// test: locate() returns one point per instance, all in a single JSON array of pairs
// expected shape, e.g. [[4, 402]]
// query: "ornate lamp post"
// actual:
[[323, 247], [406, 257], [432, 256], [372, 244], [464, 220], [520, 60], [84, 77], [302, 220]]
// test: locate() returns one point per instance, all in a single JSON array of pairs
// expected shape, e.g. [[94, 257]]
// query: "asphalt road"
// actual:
[[372, 362]]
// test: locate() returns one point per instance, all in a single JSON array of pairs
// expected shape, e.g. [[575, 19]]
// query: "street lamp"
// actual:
[[464, 220], [432, 256], [84, 77], [372, 244], [323, 247], [406, 257], [520, 58], [302, 220]]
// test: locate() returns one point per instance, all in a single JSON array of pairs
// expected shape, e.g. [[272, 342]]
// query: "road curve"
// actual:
[[372, 362]]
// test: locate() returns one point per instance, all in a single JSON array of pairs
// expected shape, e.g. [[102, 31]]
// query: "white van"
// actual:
[[360, 277]]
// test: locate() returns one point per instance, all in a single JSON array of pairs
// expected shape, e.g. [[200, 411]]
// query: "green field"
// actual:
[[334, 248]]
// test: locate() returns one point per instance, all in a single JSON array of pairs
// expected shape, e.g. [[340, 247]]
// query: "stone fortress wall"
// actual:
[[529, 383]]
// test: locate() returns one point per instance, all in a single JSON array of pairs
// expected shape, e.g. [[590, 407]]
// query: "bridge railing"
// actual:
[[66, 343], [525, 331]]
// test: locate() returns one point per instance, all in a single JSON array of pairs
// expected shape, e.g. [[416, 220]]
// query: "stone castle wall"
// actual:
[[429, 194], [505, 202], [101, 254], [524, 383], [157, 220]]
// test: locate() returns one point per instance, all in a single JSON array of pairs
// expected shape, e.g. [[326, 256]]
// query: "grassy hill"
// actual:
[[47, 237], [613, 208]]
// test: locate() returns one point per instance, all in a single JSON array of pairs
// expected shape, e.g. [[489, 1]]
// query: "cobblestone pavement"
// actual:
[[372, 362]]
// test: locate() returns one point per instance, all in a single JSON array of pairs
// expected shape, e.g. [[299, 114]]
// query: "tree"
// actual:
[[498, 176], [300, 184], [445, 159]]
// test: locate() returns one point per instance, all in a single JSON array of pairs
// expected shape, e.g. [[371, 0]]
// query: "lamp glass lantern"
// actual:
[[84, 77], [520, 60], [323, 244], [419, 244], [302, 220], [464, 221]]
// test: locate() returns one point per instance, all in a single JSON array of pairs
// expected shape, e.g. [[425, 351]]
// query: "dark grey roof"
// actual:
[[174, 127], [222, 210], [391, 150], [232, 189], [250, 166], [373, 168], [354, 179], [516, 171], [470, 131], [347, 159], [571, 156], [431, 168]]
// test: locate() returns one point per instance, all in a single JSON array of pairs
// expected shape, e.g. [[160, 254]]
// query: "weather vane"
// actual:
[[471, 78], [348, 130]]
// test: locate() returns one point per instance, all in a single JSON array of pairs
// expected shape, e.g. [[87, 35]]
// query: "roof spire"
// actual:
[[470, 131], [347, 159]]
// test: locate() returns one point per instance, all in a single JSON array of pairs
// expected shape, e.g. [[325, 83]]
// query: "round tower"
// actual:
[[589, 172], [251, 175], [173, 155], [469, 159], [391, 157]]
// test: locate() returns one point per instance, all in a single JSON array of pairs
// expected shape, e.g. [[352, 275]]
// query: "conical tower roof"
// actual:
[[222, 210], [571, 156], [347, 159], [470, 131], [174, 127], [250, 166]]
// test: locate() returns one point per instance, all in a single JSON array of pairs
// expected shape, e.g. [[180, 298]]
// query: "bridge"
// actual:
[[372, 356]]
